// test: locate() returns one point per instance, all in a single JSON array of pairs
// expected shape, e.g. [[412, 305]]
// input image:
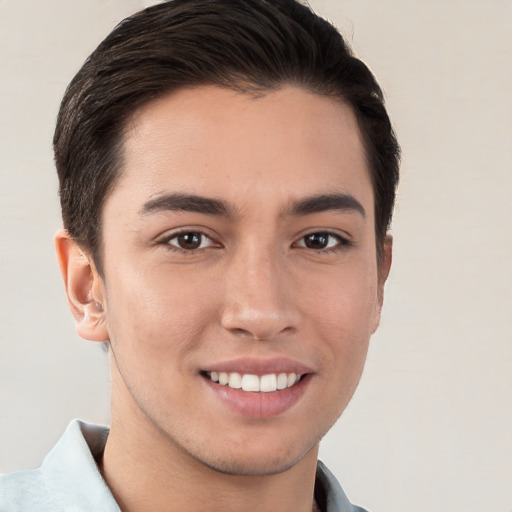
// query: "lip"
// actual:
[[259, 405], [259, 366]]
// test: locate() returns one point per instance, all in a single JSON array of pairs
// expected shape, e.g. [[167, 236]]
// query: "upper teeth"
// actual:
[[248, 382]]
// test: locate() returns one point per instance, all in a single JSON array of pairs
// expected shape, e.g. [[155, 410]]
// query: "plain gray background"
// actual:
[[431, 424]]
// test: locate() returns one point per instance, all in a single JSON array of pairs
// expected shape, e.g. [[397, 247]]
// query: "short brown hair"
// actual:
[[247, 45]]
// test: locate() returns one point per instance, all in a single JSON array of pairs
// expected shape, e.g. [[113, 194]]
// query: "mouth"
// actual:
[[258, 388], [267, 383]]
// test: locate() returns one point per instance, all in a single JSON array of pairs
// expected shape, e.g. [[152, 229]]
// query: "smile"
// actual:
[[249, 382]]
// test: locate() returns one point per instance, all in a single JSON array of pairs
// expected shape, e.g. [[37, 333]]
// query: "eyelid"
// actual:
[[343, 240], [166, 238]]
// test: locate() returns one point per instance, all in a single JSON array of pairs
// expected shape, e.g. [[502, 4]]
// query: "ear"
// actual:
[[84, 288], [383, 272]]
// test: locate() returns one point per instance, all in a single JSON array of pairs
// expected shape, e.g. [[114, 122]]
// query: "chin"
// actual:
[[252, 466], [258, 459]]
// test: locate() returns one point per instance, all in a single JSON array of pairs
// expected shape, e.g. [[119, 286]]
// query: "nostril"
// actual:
[[248, 334], [259, 335]]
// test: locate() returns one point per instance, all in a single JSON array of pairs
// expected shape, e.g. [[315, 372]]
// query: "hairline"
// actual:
[[241, 86]]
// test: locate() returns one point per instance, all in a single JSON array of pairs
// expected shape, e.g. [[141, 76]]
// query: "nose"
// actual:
[[258, 301]]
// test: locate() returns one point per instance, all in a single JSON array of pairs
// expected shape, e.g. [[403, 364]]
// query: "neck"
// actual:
[[165, 479], [146, 470]]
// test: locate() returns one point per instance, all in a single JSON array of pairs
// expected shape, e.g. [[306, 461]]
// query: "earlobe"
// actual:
[[84, 288], [384, 268]]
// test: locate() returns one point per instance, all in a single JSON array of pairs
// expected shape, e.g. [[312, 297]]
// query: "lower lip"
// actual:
[[259, 405]]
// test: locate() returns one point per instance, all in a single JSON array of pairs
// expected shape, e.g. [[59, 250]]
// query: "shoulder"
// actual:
[[24, 491]]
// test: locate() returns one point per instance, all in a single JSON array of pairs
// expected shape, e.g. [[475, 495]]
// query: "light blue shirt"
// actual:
[[69, 480]]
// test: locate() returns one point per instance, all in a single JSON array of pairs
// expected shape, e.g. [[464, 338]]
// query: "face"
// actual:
[[241, 283]]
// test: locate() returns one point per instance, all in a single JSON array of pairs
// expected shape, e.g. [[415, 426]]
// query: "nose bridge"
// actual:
[[257, 292]]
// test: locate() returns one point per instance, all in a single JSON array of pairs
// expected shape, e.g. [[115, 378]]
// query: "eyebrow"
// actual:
[[326, 202], [187, 203], [211, 206]]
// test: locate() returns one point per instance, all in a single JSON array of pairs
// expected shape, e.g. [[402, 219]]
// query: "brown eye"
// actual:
[[321, 240], [190, 240], [316, 240]]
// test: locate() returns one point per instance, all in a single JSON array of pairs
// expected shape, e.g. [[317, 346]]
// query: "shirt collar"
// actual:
[[71, 475], [74, 481], [329, 494]]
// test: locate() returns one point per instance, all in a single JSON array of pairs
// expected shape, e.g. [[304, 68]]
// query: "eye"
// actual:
[[190, 241], [321, 240]]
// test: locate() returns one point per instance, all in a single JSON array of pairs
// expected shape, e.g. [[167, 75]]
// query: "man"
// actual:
[[227, 176]]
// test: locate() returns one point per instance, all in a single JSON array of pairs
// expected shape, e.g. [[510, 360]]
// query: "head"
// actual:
[[249, 46], [227, 175]]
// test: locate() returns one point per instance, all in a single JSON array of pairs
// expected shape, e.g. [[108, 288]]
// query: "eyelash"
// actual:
[[167, 241], [341, 242]]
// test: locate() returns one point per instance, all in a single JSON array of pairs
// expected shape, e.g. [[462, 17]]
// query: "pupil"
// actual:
[[317, 241], [189, 241]]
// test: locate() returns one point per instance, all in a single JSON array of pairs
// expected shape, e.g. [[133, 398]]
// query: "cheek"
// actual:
[[157, 313], [342, 312], [345, 300], [156, 326]]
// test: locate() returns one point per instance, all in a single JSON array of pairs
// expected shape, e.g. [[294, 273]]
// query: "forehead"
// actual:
[[217, 142]]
